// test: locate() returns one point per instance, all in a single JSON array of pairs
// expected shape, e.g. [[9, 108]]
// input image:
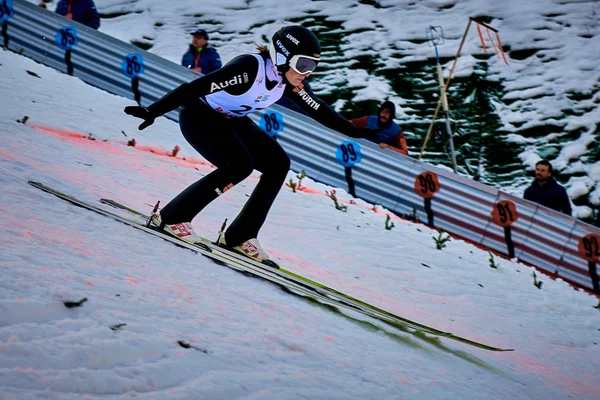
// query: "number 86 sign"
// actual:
[[132, 65]]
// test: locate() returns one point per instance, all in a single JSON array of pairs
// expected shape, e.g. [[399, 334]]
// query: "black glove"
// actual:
[[140, 112], [367, 133]]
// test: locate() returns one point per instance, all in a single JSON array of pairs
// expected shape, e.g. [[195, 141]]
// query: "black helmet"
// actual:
[[295, 47]]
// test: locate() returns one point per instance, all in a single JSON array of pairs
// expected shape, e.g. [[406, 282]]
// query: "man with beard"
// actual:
[[391, 135], [546, 191]]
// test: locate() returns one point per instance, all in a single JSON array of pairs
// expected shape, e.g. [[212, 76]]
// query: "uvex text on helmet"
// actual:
[[290, 41]]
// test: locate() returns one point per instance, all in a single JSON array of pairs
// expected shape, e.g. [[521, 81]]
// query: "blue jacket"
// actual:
[[82, 11], [205, 61], [387, 134], [550, 194]]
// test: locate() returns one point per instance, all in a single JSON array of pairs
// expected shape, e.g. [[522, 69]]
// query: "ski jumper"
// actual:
[[213, 119]]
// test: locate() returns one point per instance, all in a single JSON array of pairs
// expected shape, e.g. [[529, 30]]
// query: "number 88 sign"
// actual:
[[271, 122]]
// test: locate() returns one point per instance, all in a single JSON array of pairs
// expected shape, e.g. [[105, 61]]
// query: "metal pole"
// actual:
[[445, 87], [444, 99]]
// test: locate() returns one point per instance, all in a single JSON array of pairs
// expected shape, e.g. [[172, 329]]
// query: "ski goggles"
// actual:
[[303, 64]]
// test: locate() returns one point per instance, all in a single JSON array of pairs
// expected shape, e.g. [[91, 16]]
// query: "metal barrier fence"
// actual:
[[551, 241]]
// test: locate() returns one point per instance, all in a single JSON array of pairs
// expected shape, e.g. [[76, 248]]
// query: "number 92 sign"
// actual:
[[589, 247]]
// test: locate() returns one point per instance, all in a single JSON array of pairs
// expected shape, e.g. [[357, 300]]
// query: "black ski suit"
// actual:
[[235, 144]]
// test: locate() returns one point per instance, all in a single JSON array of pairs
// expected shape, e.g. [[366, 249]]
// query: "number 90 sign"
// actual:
[[427, 184], [348, 153]]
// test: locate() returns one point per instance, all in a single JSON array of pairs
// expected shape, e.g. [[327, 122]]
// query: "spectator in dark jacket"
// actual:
[[82, 11], [391, 135], [201, 57], [546, 191]]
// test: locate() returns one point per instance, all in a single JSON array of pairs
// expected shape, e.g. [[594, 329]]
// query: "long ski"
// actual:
[[293, 282]]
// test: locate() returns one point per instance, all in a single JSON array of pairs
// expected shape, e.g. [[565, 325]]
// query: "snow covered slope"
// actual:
[[252, 341]]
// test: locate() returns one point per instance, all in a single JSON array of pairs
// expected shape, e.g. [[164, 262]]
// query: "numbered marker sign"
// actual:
[[132, 65], [589, 247], [504, 213], [427, 184], [271, 122], [6, 10], [348, 153], [66, 37]]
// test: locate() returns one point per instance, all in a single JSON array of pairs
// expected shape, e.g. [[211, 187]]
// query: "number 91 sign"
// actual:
[[504, 213], [348, 153]]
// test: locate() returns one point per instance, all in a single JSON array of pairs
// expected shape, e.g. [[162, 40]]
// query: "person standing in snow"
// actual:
[[214, 120], [391, 135], [546, 191], [82, 11], [201, 56]]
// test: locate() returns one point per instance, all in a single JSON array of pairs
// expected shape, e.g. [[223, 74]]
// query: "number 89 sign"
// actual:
[[348, 153]]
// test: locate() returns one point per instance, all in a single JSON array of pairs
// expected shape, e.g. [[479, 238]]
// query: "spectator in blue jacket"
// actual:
[[82, 11], [546, 191], [391, 135], [201, 57]]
